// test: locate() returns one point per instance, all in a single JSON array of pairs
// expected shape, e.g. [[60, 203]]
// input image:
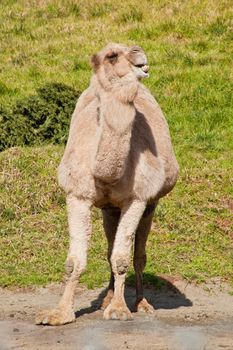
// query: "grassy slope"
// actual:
[[189, 45]]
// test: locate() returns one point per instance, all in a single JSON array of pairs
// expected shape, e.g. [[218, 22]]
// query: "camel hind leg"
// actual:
[[79, 218], [140, 257], [111, 217]]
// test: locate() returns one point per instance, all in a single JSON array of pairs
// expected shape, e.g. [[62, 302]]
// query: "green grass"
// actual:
[[189, 47]]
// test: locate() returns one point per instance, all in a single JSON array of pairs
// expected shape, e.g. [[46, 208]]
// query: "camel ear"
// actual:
[[95, 62]]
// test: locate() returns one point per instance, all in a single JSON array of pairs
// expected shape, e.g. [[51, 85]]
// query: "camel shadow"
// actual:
[[159, 291]]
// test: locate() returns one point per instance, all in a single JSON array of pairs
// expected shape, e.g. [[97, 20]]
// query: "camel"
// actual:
[[119, 158]]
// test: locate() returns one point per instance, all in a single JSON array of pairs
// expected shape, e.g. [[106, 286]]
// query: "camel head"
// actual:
[[117, 61]]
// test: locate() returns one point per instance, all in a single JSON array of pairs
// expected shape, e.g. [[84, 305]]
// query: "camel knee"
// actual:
[[119, 265], [74, 266]]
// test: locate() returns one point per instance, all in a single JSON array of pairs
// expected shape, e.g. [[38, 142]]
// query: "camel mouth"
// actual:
[[141, 70]]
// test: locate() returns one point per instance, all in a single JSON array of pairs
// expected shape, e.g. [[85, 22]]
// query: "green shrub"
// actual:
[[14, 130], [40, 118]]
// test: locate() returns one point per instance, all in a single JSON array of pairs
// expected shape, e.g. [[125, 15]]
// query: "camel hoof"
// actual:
[[117, 313], [55, 317], [107, 300], [144, 306]]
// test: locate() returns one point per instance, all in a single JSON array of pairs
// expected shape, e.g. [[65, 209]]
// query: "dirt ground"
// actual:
[[186, 317]]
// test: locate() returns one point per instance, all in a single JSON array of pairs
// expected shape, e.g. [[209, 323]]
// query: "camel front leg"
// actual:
[[130, 217], [140, 257], [79, 218]]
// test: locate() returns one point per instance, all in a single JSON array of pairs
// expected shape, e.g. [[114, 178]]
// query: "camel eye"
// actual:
[[136, 49], [112, 57]]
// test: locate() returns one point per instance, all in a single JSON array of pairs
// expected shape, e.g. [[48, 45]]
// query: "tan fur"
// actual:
[[118, 154]]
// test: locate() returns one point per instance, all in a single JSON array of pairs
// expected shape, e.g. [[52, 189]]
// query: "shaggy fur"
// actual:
[[118, 155]]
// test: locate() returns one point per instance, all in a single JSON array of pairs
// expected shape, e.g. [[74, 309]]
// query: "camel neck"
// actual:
[[116, 115], [113, 141]]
